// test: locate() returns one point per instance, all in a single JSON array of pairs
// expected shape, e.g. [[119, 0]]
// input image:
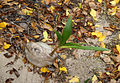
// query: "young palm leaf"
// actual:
[[86, 48], [67, 31]]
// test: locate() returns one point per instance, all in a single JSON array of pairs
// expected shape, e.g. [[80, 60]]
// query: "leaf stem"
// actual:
[[51, 54]]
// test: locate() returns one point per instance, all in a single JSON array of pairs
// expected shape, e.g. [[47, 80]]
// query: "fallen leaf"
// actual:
[[44, 70], [66, 1], [107, 59], [113, 3], [97, 33], [119, 68], [63, 57], [102, 44], [97, 54], [36, 36], [94, 79], [63, 69], [100, 1], [6, 46], [112, 11], [118, 48], [67, 12], [47, 1], [116, 58], [34, 25], [106, 52], [27, 11], [51, 8], [101, 38], [117, 1], [97, 25], [3, 25], [75, 79], [45, 35], [93, 13], [48, 26], [119, 36]]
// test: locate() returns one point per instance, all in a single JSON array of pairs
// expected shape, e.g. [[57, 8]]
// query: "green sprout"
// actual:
[[62, 38]]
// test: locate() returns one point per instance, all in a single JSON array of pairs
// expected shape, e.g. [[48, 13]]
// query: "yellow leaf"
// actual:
[[101, 38], [36, 36], [52, 8], [66, 1], [47, 26], [118, 48], [100, 1], [93, 13], [102, 45], [6, 46], [99, 82], [90, 23], [63, 69], [44, 40], [28, 11], [97, 33], [113, 3], [108, 73], [94, 79], [3, 24], [119, 36], [74, 22], [74, 80], [63, 57], [119, 68], [112, 11], [45, 35], [44, 69], [117, 1], [80, 5], [97, 25], [59, 3], [67, 12]]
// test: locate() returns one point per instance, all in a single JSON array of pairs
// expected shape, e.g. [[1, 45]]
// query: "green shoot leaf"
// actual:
[[86, 48], [67, 31], [74, 44], [59, 37]]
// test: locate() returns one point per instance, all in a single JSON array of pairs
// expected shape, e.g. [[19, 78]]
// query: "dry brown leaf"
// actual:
[[116, 58], [20, 29], [108, 28], [12, 30], [47, 1], [92, 4], [97, 54], [34, 25], [47, 26], [106, 52], [107, 59], [83, 30]]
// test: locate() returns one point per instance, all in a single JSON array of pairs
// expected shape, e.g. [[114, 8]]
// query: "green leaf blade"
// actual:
[[74, 44], [87, 48], [59, 37], [67, 31]]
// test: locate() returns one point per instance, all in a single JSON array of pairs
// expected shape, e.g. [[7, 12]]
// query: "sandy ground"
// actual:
[[83, 67]]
